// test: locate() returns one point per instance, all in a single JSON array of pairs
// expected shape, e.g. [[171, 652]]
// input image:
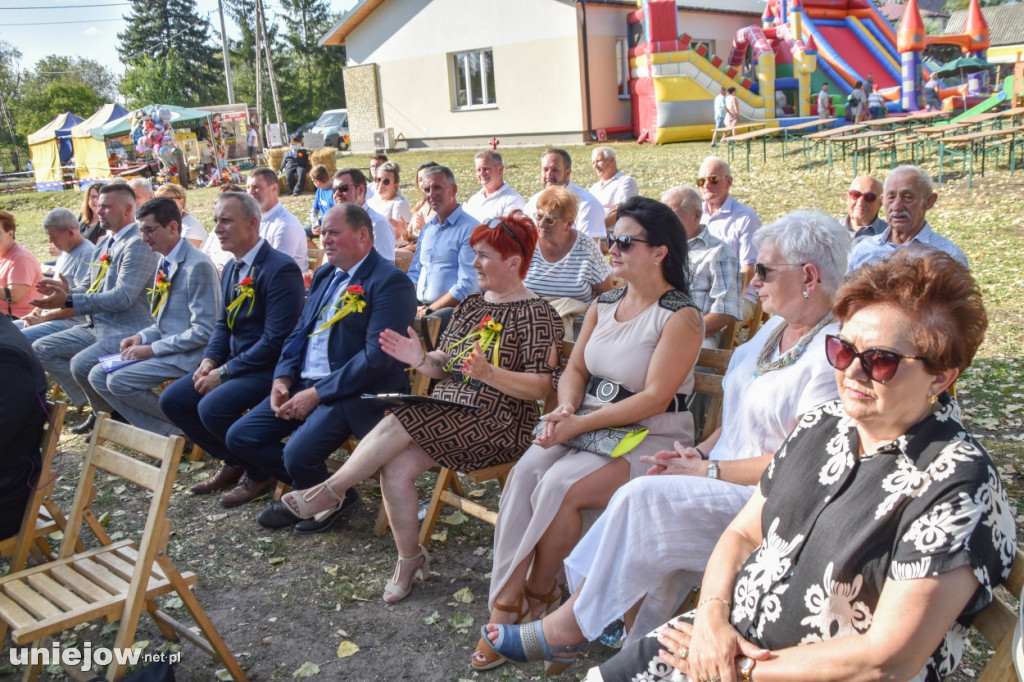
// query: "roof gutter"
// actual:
[[586, 69]]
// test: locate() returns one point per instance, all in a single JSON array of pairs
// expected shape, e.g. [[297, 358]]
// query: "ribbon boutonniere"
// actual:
[[159, 293], [351, 302], [246, 290], [487, 333], [104, 265]]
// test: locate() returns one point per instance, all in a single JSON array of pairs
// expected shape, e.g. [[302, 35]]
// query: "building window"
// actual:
[[622, 66], [472, 75], [708, 45]]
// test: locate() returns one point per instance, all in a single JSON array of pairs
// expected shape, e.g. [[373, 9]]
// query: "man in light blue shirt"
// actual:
[[909, 194], [442, 268]]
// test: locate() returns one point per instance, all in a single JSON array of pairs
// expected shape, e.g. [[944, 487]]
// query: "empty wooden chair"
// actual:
[[117, 580]]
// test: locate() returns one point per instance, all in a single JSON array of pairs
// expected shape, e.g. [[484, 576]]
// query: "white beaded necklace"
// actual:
[[764, 363]]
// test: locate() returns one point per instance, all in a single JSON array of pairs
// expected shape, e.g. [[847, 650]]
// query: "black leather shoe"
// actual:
[[277, 515], [84, 427], [352, 500]]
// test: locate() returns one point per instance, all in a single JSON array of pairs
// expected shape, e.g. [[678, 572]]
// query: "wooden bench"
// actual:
[[996, 624]]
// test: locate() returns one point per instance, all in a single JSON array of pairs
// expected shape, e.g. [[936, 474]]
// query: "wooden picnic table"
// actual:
[[867, 136], [918, 116], [764, 134], [801, 129], [972, 142], [730, 131], [825, 135]]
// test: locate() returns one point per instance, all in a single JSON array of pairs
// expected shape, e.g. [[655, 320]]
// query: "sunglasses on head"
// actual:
[[384, 181], [762, 269], [711, 180], [869, 197], [545, 218], [494, 223], [624, 242], [880, 365], [341, 189]]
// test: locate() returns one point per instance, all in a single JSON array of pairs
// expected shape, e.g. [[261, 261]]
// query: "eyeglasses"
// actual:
[[762, 269], [495, 222], [880, 365], [545, 218], [624, 242], [711, 180], [150, 230], [869, 197], [383, 181], [341, 189]]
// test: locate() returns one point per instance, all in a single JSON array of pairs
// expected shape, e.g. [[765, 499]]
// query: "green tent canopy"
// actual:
[[123, 125]]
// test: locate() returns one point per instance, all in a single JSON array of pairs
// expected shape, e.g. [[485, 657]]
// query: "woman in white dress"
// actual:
[[651, 544]]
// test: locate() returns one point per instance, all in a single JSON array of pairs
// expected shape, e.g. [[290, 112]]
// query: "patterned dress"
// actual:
[[467, 439], [836, 527]]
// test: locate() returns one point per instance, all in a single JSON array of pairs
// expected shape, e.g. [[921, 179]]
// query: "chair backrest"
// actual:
[[43, 488], [316, 258], [711, 384], [996, 623], [158, 478], [552, 398], [429, 329]]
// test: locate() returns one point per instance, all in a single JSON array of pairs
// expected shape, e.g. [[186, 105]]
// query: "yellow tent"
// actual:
[[50, 147], [91, 154]]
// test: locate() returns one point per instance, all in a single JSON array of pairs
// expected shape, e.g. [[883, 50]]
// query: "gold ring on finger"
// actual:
[[684, 653]]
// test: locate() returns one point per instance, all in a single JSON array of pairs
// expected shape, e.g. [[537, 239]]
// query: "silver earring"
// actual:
[[806, 295]]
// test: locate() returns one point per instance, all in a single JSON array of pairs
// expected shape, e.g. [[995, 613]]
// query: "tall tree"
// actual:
[[952, 5], [40, 106], [155, 28], [312, 77], [242, 52], [57, 68], [10, 86]]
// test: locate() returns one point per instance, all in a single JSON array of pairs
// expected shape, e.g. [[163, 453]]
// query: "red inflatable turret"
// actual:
[[976, 28], [911, 35]]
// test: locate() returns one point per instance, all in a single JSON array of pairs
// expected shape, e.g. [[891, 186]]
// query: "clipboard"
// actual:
[[410, 398]]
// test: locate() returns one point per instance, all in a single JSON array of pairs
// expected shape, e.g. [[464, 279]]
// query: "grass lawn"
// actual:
[[986, 221]]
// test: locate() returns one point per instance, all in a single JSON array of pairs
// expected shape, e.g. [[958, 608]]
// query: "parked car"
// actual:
[[303, 129], [333, 125]]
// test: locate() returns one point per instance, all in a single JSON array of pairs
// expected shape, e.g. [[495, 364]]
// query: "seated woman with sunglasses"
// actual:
[[649, 547], [388, 202], [881, 527], [630, 370], [496, 356], [567, 267]]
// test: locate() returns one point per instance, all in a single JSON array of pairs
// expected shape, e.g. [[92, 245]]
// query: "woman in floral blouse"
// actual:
[[880, 528]]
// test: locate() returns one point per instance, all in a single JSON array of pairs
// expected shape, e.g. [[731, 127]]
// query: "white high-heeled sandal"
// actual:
[[393, 592], [301, 502]]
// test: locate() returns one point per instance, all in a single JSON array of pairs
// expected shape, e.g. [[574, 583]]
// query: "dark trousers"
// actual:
[[296, 179], [206, 418], [255, 441]]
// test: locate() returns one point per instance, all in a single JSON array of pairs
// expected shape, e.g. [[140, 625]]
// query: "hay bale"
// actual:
[[326, 156], [274, 157]]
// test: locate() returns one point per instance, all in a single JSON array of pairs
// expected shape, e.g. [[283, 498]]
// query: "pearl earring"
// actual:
[[806, 295]]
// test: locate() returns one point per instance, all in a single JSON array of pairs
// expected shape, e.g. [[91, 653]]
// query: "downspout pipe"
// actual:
[[586, 70]]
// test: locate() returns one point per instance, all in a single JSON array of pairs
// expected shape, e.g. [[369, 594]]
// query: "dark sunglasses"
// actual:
[[495, 222], [341, 189], [762, 269], [880, 365], [869, 197], [624, 242], [711, 180], [384, 181]]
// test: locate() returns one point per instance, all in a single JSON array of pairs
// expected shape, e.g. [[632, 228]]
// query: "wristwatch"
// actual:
[[745, 666], [224, 373], [428, 310], [712, 471], [68, 303]]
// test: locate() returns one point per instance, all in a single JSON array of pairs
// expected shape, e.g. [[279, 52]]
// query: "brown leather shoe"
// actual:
[[224, 476], [246, 491]]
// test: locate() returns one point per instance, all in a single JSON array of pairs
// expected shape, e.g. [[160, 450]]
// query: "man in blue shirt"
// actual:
[[442, 268], [909, 194]]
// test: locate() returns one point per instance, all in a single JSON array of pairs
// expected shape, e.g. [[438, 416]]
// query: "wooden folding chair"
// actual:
[[758, 318], [448, 489], [996, 623], [116, 581], [316, 258], [42, 515], [711, 384]]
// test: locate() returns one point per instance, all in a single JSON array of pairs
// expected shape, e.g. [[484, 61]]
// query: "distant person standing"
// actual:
[[931, 94], [252, 140], [876, 104], [824, 101], [719, 115], [732, 109]]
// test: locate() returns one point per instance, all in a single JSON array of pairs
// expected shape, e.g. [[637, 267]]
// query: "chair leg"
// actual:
[[380, 526], [168, 632], [445, 480]]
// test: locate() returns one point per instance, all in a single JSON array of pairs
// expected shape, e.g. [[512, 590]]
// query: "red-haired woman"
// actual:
[[499, 353]]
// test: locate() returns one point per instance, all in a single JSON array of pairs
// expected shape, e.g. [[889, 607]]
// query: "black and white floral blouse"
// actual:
[[836, 527]]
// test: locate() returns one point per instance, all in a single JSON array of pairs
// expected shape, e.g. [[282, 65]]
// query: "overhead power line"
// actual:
[[112, 4], [56, 23]]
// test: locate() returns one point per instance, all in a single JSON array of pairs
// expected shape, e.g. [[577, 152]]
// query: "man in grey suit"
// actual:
[[113, 296], [184, 303]]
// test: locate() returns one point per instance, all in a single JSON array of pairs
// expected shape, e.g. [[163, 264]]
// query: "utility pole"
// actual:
[[261, 19], [224, 50], [259, 83]]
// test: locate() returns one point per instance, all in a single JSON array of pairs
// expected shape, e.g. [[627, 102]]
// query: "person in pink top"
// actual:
[[19, 272]]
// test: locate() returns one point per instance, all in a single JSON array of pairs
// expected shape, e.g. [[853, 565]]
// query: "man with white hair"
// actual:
[[731, 221], [612, 186], [61, 227], [495, 198], [143, 189], [908, 196], [715, 283], [555, 169]]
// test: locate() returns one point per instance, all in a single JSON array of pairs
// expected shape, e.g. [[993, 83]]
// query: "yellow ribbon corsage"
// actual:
[[489, 332], [159, 293], [104, 265], [351, 302], [246, 290]]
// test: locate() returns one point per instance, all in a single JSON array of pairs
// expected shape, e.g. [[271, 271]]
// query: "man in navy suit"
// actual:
[[332, 357], [263, 292]]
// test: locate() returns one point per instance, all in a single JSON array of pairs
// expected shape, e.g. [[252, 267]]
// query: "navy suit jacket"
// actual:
[[253, 346], [358, 364]]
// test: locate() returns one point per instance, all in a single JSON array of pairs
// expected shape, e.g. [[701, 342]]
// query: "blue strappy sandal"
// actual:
[[524, 643]]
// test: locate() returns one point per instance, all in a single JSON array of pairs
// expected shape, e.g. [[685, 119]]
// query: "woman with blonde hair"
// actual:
[[191, 228]]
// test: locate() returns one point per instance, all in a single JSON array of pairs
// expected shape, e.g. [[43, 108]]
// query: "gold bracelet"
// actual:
[[417, 366], [704, 601]]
